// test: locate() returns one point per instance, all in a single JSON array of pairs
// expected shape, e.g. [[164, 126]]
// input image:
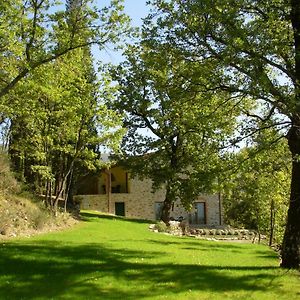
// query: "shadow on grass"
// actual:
[[89, 216], [47, 269], [189, 244], [52, 270]]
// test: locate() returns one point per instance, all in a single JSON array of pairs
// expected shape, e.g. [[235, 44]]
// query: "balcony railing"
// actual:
[[118, 189]]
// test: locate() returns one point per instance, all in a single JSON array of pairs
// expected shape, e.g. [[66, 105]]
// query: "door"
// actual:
[[200, 213], [158, 210], [120, 209]]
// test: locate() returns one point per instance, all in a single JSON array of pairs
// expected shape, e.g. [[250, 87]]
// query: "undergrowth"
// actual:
[[21, 213]]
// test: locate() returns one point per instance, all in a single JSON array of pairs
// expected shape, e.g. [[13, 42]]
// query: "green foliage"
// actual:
[[256, 48], [185, 125], [257, 195], [34, 33], [58, 122], [62, 123], [161, 227]]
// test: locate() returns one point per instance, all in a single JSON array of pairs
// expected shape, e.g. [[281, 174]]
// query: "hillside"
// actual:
[[20, 213]]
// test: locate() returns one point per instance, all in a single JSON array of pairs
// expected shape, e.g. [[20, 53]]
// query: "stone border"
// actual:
[[223, 233]]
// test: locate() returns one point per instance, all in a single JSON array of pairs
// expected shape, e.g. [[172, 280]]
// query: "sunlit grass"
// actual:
[[115, 258]]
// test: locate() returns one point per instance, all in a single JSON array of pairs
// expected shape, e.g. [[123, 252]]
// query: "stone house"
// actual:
[[115, 192]]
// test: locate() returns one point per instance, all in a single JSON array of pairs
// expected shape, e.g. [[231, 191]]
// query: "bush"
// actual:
[[21, 212], [8, 183], [161, 227], [39, 218]]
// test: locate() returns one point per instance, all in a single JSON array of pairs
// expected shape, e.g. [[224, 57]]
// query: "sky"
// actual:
[[136, 10]]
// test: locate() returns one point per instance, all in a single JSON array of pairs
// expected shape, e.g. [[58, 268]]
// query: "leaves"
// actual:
[[257, 195], [59, 122], [33, 33], [176, 125]]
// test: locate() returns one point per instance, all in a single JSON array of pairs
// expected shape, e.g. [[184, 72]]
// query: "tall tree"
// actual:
[[257, 44], [63, 124], [182, 148], [36, 32], [46, 67]]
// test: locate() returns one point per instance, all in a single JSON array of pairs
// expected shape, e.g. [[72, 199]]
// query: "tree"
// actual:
[[256, 196], [257, 45], [36, 32], [62, 124], [182, 148], [68, 124]]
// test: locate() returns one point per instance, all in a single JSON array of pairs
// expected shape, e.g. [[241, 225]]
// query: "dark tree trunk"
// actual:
[[167, 205], [170, 196], [165, 214], [291, 241]]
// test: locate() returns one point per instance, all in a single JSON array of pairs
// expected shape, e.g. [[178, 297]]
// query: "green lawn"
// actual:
[[114, 258]]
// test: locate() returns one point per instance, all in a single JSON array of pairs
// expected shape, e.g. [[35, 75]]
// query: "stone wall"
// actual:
[[93, 202], [140, 203]]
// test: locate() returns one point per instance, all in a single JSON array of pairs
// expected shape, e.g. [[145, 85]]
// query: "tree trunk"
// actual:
[[165, 215], [272, 222], [167, 205], [68, 189], [62, 187], [259, 234], [291, 241]]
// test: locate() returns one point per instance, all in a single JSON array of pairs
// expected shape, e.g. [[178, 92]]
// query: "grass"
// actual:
[[114, 258]]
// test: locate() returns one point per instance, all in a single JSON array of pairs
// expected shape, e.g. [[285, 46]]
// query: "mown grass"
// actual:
[[114, 258]]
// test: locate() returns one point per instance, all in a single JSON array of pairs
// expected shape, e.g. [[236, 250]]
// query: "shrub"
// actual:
[[161, 227], [39, 218], [8, 183]]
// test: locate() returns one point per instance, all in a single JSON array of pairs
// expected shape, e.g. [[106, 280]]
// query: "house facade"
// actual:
[[115, 192]]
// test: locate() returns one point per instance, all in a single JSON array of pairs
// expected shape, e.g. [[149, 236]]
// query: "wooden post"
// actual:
[[220, 208], [108, 189]]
